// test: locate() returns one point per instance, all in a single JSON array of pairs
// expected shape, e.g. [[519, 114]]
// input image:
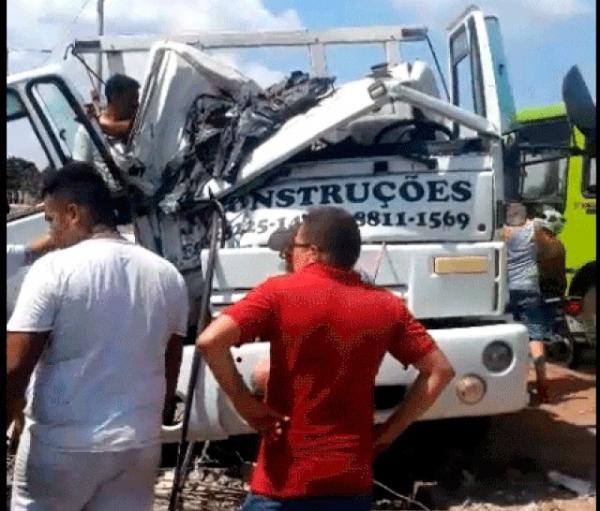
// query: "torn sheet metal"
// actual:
[[176, 75]]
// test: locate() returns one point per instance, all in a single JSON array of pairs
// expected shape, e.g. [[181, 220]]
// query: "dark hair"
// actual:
[[335, 232], [80, 183], [117, 85]]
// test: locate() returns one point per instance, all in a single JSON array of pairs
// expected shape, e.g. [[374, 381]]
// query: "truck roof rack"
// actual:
[[389, 36]]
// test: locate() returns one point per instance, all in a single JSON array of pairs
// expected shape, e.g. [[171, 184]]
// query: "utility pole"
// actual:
[[100, 13]]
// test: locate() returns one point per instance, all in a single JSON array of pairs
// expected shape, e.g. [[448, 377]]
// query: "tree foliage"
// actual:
[[24, 176]]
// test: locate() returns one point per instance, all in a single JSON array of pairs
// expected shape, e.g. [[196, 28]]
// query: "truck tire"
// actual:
[[575, 361], [561, 353], [584, 279]]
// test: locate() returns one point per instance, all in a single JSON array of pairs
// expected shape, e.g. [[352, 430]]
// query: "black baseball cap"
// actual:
[[280, 239]]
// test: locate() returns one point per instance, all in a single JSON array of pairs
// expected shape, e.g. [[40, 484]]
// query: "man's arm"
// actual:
[[119, 129], [173, 356], [40, 246], [562, 268], [435, 372], [15, 259], [215, 343], [23, 350], [18, 256]]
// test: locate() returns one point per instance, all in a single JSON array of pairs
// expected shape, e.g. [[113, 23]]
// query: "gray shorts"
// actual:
[[526, 307], [49, 479]]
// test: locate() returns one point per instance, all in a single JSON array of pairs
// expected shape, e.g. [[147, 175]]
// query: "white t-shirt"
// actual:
[[111, 307], [85, 150]]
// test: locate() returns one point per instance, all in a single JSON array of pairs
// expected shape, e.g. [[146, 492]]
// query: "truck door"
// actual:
[[43, 116], [57, 118], [478, 72]]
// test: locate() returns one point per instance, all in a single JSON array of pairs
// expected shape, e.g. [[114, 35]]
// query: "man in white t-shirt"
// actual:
[[98, 326]]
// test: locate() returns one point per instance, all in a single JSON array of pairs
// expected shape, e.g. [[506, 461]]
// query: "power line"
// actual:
[[29, 50], [69, 27]]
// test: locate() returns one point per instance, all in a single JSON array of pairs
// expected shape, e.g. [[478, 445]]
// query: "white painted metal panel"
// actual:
[[505, 391], [405, 269], [347, 102], [473, 22], [224, 40], [394, 207], [176, 75]]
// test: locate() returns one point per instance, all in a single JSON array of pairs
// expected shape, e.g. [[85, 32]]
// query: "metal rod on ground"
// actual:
[[182, 456], [400, 496]]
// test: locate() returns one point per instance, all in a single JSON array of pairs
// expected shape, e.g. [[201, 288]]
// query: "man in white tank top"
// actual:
[[96, 337], [524, 287]]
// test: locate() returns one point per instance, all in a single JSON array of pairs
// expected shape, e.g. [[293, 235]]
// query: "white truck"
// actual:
[[429, 202]]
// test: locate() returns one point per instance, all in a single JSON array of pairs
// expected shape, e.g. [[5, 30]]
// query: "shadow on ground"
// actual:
[[503, 460]]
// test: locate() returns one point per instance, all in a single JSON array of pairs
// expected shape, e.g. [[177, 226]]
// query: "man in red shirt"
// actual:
[[329, 332]]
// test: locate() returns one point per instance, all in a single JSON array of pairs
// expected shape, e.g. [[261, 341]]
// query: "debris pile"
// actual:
[[210, 489]]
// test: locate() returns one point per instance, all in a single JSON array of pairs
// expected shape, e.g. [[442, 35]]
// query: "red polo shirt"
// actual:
[[329, 332]]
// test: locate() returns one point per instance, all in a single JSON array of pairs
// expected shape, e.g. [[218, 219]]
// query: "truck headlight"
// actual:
[[497, 356], [470, 389]]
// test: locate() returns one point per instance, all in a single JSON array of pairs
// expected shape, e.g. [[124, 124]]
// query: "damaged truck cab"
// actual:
[[423, 176]]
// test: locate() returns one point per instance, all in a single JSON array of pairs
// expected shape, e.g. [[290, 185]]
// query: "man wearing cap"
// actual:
[[328, 334]]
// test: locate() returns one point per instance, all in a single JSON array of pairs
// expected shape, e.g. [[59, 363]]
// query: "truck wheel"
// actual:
[[561, 349], [583, 280], [575, 361]]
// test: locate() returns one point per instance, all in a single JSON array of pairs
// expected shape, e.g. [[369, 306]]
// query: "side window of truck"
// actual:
[[589, 178], [545, 178], [461, 69], [62, 118], [26, 157], [466, 70]]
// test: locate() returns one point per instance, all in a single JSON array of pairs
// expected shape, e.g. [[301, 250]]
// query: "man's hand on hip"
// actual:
[[266, 421], [435, 372], [381, 439]]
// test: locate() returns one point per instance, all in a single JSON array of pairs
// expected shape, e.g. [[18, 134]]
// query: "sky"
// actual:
[[542, 38]]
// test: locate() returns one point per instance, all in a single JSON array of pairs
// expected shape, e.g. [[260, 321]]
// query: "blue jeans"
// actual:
[[259, 503], [527, 308], [548, 315]]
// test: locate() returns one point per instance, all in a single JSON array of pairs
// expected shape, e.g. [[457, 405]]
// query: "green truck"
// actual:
[[557, 163], [562, 175]]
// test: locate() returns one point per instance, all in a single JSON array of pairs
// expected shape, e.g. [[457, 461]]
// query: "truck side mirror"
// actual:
[[580, 106]]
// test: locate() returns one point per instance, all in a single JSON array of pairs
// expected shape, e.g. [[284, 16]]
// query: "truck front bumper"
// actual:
[[500, 391]]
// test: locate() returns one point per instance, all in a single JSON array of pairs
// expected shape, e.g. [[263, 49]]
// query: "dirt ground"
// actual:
[[559, 437]]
